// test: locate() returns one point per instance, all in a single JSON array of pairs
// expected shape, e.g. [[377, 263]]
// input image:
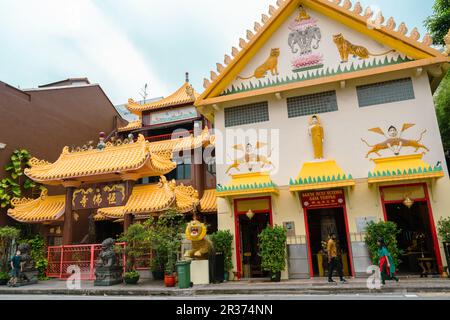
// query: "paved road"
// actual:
[[418, 296]]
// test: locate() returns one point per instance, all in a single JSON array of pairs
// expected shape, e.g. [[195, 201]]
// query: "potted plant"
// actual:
[[444, 234], [157, 265], [223, 240], [131, 277], [387, 231], [272, 250], [138, 242], [166, 235], [169, 272]]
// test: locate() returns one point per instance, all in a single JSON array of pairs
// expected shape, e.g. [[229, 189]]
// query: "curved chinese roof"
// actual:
[[106, 164], [184, 95]]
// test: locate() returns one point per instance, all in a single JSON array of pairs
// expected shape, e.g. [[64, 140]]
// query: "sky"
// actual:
[[123, 45]]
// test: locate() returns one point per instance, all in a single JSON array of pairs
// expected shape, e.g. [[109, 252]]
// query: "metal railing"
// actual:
[[60, 258]]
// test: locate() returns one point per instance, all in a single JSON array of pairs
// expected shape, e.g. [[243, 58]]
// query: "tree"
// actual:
[[442, 104], [439, 23]]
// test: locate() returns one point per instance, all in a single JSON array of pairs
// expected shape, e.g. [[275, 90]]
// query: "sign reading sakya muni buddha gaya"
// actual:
[[101, 196], [325, 198]]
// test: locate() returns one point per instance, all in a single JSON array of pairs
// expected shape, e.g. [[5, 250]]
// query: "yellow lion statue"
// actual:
[[201, 246]]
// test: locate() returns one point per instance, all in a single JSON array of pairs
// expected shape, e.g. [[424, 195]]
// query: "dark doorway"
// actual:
[[249, 231], [415, 238], [322, 223], [107, 229]]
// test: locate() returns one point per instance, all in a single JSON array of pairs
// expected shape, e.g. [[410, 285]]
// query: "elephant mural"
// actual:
[[304, 39]]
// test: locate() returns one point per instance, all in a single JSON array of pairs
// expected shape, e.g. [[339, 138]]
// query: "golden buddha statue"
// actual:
[[302, 15], [317, 136]]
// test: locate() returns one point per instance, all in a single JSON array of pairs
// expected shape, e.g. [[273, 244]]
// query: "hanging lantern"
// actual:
[[408, 202], [250, 214]]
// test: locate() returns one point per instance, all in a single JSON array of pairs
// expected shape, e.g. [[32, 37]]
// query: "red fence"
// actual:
[[60, 258]]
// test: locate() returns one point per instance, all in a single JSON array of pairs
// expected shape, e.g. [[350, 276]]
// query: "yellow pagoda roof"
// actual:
[[43, 209], [208, 203], [95, 164], [317, 175], [352, 16], [186, 143], [133, 125], [152, 199], [403, 168], [184, 95], [247, 184]]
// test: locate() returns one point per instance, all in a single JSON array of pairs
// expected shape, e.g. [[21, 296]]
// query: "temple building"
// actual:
[[147, 167], [73, 102], [334, 126]]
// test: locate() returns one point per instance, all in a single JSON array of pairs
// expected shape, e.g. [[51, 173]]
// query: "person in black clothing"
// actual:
[[333, 260], [16, 266]]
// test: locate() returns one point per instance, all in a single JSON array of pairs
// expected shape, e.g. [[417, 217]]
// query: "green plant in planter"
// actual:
[[223, 241], [166, 235], [138, 243], [272, 250], [388, 231], [131, 277], [444, 229]]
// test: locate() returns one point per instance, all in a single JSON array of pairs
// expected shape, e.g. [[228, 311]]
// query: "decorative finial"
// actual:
[[187, 77], [101, 143]]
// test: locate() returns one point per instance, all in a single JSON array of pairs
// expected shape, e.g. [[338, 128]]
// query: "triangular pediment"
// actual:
[[306, 41]]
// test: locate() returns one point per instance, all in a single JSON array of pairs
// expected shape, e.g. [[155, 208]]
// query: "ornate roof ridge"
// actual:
[[356, 11], [183, 95]]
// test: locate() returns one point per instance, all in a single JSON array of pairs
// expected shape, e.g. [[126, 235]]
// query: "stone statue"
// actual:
[[317, 136], [108, 271], [201, 246], [28, 273]]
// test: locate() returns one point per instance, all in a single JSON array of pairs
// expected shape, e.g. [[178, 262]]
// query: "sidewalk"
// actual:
[[308, 286]]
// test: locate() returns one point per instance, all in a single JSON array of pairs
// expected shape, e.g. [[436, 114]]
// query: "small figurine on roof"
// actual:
[[101, 144]]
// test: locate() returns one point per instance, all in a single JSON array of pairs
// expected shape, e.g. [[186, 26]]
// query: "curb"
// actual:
[[220, 291]]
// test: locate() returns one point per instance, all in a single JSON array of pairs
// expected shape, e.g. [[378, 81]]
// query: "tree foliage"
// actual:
[[442, 104], [223, 240], [387, 231], [439, 23], [272, 249], [13, 186]]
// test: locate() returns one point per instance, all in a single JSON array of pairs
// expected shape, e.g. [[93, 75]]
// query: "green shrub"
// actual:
[[388, 231], [39, 255], [223, 241], [444, 229], [272, 249]]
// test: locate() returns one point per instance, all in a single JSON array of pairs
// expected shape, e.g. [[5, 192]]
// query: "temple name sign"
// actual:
[[101, 196]]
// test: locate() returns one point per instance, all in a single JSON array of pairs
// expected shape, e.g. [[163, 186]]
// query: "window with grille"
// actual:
[[312, 104], [247, 114], [385, 92]]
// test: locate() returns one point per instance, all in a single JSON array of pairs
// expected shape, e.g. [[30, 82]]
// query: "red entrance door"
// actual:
[[414, 221], [332, 201], [246, 230]]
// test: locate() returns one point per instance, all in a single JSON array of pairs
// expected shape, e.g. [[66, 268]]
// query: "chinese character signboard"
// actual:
[[100, 196], [323, 199], [169, 116]]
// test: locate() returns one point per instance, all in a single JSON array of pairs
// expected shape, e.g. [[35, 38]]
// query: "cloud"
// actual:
[[75, 38]]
